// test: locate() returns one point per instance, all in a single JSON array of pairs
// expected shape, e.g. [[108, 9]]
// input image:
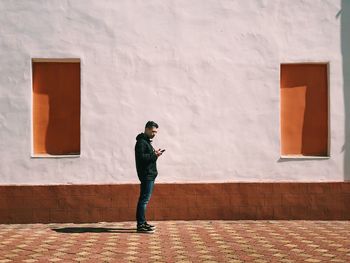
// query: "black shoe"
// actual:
[[150, 226], [144, 229]]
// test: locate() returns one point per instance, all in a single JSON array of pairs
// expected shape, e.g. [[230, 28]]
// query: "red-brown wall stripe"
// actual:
[[234, 201]]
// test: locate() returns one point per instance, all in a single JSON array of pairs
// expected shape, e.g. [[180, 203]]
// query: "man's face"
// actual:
[[151, 132]]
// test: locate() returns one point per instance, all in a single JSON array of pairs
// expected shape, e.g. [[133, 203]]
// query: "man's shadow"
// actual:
[[94, 230]]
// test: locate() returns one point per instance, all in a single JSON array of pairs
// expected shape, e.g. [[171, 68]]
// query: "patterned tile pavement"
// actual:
[[178, 241]]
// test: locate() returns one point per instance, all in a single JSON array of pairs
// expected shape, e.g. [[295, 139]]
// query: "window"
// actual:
[[304, 109], [56, 107]]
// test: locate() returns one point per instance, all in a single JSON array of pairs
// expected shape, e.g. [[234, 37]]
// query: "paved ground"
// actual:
[[178, 241]]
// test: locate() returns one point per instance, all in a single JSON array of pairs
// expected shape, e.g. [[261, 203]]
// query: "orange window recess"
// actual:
[[304, 109], [56, 107]]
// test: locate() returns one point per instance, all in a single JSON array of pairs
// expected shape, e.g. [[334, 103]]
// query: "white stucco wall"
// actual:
[[206, 70]]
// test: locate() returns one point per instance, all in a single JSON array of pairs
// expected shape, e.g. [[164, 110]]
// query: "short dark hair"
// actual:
[[151, 124]]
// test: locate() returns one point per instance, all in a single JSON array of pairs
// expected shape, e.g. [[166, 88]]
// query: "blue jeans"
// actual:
[[146, 189]]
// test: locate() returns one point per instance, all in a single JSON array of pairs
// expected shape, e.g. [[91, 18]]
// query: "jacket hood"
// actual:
[[142, 136]]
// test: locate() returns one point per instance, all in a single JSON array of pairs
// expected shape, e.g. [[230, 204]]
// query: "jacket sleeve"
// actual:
[[141, 153]]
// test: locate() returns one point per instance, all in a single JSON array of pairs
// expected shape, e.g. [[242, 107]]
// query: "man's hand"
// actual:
[[158, 152]]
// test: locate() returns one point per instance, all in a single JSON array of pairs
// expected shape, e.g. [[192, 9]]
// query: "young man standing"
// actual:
[[146, 165]]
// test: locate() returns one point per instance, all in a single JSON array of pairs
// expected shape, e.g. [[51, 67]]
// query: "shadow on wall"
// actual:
[[63, 129], [315, 124], [345, 49]]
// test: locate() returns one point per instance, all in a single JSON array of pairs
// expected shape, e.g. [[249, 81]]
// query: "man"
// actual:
[[146, 165]]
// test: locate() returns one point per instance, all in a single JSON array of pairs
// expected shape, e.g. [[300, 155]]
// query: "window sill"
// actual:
[[36, 156], [307, 157]]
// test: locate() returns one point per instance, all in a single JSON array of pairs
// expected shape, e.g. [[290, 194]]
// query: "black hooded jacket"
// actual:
[[146, 159]]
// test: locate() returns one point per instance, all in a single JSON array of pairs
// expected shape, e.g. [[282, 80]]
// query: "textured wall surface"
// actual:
[[206, 71]]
